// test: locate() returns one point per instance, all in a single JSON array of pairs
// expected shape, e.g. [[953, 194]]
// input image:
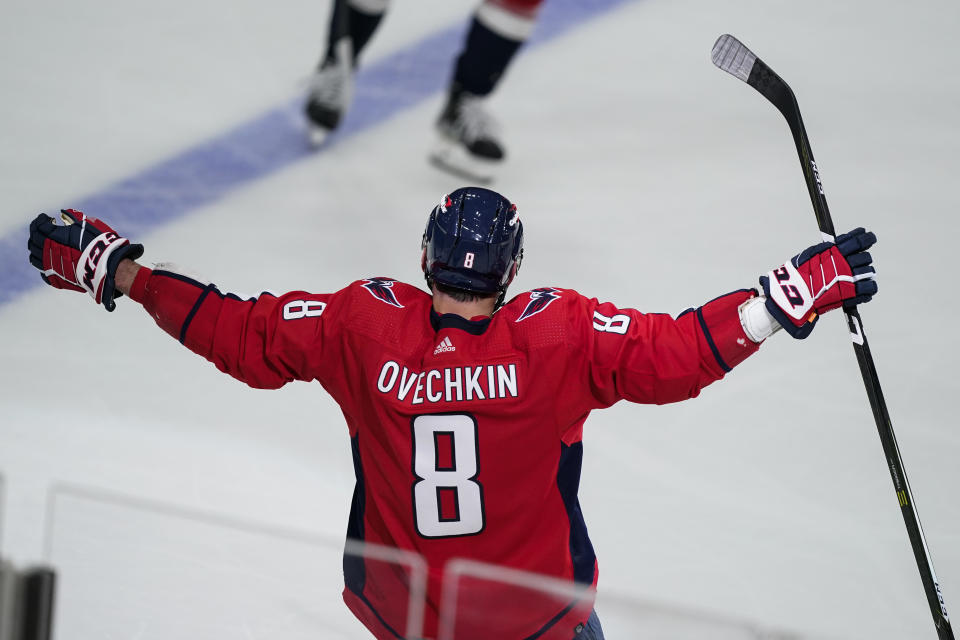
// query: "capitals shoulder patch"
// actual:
[[540, 299], [382, 290]]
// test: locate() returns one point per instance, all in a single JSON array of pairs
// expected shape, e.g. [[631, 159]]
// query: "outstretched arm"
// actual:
[[654, 358], [264, 341]]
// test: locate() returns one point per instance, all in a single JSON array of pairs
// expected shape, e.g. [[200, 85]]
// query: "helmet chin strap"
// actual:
[[503, 289], [500, 299]]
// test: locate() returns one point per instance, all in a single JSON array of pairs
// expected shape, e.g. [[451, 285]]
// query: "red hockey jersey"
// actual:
[[466, 434]]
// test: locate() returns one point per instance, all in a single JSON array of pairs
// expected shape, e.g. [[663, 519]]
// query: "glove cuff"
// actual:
[[797, 331], [109, 292], [97, 266]]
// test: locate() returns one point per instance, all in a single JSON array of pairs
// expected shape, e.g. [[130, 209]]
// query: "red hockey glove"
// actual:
[[81, 256], [822, 278]]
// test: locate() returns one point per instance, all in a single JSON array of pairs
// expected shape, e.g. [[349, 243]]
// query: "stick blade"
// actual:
[[732, 56]]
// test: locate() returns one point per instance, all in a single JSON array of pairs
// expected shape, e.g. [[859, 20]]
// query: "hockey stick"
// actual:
[[730, 55]]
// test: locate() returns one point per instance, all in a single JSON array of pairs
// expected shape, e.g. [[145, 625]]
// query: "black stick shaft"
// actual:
[[733, 57]]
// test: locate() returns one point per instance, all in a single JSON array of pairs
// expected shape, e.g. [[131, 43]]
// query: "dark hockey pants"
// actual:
[[592, 630]]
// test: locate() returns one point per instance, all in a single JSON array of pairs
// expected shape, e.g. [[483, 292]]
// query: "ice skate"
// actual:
[[468, 144], [331, 89]]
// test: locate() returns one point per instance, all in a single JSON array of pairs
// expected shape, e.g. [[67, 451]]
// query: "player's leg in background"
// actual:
[[469, 141], [352, 23]]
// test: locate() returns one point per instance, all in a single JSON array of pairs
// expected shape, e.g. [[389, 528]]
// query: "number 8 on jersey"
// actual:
[[447, 499]]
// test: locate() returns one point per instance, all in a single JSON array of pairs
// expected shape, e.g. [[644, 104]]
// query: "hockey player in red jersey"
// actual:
[[465, 414]]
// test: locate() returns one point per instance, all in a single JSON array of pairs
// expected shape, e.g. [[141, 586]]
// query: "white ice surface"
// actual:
[[645, 176]]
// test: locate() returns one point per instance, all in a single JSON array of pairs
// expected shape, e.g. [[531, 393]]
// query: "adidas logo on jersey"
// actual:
[[445, 345]]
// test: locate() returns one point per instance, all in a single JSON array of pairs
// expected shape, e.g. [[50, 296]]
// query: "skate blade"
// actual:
[[453, 158]]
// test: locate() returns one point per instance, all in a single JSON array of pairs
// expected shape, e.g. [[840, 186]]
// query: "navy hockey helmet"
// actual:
[[473, 239]]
